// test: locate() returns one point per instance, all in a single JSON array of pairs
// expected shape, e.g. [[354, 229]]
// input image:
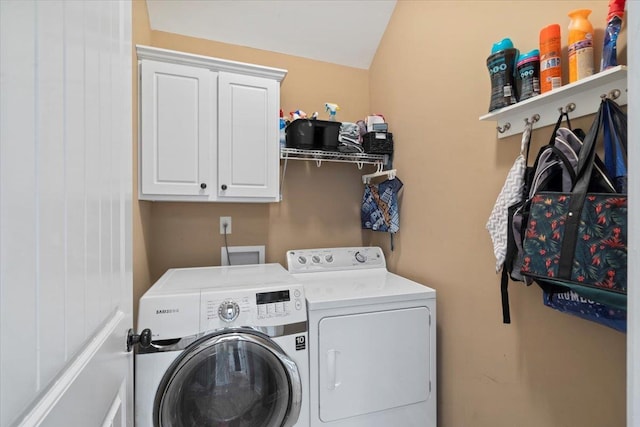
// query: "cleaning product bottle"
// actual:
[[528, 75], [501, 64], [331, 108], [614, 22], [580, 45], [550, 54], [283, 125]]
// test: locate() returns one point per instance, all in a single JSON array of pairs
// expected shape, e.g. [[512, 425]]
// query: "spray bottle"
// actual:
[[580, 45], [550, 54], [332, 109], [614, 22]]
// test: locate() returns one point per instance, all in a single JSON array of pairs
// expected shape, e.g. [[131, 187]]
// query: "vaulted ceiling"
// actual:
[[345, 32]]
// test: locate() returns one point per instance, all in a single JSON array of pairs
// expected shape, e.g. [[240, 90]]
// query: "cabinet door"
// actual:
[[248, 147], [176, 130]]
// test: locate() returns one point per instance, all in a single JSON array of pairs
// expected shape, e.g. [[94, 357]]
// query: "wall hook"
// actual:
[[504, 128], [568, 108], [613, 94], [534, 119]]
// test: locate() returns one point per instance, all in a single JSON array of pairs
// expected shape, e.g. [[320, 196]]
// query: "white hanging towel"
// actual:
[[510, 194]]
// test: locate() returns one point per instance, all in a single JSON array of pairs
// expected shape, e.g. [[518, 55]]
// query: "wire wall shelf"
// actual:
[[320, 156]]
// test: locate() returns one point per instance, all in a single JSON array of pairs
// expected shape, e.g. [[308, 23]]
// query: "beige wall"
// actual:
[[429, 78]]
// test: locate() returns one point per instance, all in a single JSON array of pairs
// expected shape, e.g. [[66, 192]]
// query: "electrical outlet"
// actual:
[[225, 220]]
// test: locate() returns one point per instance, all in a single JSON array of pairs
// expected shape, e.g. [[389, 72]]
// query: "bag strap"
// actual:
[[563, 115], [586, 162], [504, 293], [525, 144]]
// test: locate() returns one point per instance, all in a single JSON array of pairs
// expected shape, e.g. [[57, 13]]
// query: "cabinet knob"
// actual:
[[203, 185], [223, 186]]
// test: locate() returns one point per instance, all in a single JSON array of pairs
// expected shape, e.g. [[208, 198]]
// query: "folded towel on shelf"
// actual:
[[350, 147], [349, 138]]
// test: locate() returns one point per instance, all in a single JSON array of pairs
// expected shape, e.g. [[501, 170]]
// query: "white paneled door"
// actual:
[[65, 213]]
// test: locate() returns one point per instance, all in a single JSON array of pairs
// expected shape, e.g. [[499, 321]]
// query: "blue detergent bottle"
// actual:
[[501, 65]]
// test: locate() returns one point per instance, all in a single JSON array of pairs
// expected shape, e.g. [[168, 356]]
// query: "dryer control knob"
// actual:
[[302, 260], [228, 311], [315, 259], [360, 257]]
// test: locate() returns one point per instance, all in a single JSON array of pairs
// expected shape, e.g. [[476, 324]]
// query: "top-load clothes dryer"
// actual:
[[372, 340], [228, 349]]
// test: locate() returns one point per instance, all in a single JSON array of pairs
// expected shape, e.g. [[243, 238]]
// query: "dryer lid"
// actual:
[[354, 288]]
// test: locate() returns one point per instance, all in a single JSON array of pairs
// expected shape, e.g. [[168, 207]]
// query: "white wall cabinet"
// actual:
[[248, 137], [176, 123], [208, 128]]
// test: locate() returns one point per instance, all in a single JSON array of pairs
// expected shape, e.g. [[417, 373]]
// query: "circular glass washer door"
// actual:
[[233, 379]]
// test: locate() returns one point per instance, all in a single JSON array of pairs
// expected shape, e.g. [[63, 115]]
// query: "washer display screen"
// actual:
[[270, 297]]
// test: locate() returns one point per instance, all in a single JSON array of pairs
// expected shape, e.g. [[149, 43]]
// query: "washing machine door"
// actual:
[[234, 379]]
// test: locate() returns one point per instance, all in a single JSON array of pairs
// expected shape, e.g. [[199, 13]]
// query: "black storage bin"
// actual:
[[378, 142], [313, 134]]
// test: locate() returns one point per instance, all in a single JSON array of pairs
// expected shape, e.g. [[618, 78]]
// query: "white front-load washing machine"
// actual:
[[372, 340], [228, 349]]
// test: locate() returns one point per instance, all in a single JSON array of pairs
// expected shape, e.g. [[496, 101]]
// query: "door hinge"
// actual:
[[143, 340]]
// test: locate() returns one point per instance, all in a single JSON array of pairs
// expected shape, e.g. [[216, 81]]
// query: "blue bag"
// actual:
[[380, 206], [572, 303]]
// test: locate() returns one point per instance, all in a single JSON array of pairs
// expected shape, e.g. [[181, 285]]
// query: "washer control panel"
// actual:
[[335, 259], [228, 311], [256, 307]]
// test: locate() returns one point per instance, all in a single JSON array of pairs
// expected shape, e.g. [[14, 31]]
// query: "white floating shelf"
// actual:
[[584, 94]]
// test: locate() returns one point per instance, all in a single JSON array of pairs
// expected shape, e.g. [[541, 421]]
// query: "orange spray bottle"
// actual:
[[550, 54], [581, 63]]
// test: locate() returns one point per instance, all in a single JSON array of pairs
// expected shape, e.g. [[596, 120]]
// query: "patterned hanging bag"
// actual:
[[577, 240]]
